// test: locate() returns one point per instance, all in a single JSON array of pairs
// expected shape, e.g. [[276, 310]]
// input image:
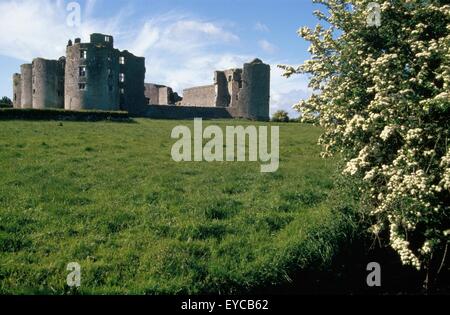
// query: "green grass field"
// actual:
[[108, 196]]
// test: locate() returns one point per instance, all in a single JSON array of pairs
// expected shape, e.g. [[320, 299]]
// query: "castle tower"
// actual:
[[17, 90], [254, 97], [26, 99], [245, 93], [92, 74], [234, 85], [228, 84], [48, 83], [132, 83], [221, 89]]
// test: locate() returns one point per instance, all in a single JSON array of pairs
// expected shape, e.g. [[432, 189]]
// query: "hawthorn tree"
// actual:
[[382, 94]]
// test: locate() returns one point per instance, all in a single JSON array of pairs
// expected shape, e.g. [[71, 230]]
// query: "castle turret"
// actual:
[[26, 99], [92, 75], [102, 40], [245, 93], [17, 90], [232, 86], [48, 83], [254, 97], [132, 83], [221, 91]]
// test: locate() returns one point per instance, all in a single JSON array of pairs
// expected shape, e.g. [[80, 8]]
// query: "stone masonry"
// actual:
[[97, 76], [244, 92], [160, 95]]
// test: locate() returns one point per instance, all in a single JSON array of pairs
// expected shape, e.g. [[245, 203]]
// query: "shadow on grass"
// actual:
[[347, 275], [64, 115]]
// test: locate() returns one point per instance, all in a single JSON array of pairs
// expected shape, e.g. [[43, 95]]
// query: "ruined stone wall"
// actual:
[[17, 90], [152, 93], [222, 95], [97, 76], [202, 96], [48, 83], [234, 86], [103, 40], [160, 94], [165, 94], [244, 92], [26, 86], [99, 88], [132, 93]]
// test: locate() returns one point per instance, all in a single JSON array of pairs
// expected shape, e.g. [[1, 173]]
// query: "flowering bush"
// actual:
[[383, 96]]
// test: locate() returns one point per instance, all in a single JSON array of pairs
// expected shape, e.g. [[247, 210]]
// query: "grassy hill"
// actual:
[[108, 196]]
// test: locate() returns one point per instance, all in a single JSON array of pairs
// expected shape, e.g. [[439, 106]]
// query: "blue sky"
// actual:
[[183, 41]]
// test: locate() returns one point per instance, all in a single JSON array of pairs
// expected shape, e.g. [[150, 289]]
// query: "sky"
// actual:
[[184, 41]]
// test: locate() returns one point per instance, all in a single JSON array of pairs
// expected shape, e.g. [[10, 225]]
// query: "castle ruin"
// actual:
[[243, 92], [97, 76]]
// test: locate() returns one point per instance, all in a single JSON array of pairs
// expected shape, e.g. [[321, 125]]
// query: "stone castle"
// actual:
[[96, 76]]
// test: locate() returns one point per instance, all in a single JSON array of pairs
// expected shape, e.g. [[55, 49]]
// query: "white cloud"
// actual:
[[182, 51], [267, 46], [146, 39], [261, 27], [40, 29], [90, 7], [285, 92]]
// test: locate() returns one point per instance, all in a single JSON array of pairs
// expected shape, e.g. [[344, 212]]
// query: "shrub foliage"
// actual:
[[59, 114], [382, 92], [5, 102], [281, 116]]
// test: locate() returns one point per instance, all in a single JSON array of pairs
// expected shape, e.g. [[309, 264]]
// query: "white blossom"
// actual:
[[375, 112]]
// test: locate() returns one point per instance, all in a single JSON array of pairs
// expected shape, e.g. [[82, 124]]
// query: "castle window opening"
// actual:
[[122, 77], [240, 84], [83, 54], [122, 60], [229, 78], [122, 91], [82, 71], [34, 91], [107, 39], [82, 86]]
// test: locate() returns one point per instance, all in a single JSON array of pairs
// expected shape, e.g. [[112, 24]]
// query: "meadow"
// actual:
[[108, 196]]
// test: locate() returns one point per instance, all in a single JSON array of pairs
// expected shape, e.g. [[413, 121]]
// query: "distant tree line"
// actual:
[[5, 102]]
